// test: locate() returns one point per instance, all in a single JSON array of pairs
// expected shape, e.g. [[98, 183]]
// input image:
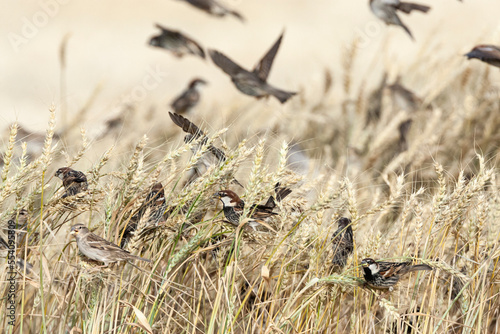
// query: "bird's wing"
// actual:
[[224, 63], [96, 241], [186, 125], [76, 176], [264, 66]]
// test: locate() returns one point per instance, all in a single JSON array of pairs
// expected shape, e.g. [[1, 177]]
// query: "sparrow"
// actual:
[[233, 207], [386, 10], [74, 182], [99, 249], [176, 42], [189, 98], [212, 157], [342, 242], [490, 54], [384, 275], [252, 83], [214, 8], [154, 206]]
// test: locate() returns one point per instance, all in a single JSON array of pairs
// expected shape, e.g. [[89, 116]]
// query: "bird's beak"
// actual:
[[364, 263], [72, 232], [216, 195]]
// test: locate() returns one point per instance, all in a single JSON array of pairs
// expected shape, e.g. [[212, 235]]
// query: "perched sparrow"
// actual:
[[233, 207], [384, 275], [154, 207], [214, 8], [386, 10], [189, 98], [342, 241], [252, 83], [73, 181], [212, 157], [98, 249], [176, 42], [488, 53]]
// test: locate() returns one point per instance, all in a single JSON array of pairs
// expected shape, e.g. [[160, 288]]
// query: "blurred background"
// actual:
[[107, 55]]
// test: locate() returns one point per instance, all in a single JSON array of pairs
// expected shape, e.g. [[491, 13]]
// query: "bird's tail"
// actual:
[[418, 267], [407, 7], [141, 258], [281, 95], [406, 29]]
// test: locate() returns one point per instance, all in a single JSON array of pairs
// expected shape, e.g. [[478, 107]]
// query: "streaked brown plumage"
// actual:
[[386, 10], [74, 181], [176, 42], [489, 54], [189, 97], [99, 249], [214, 8], [252, 83], [384, 275]]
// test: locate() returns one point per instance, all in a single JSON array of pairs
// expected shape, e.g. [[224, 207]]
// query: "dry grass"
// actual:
[[430, 194]]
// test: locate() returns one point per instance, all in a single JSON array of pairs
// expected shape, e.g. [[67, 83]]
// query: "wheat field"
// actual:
[[418, 179]]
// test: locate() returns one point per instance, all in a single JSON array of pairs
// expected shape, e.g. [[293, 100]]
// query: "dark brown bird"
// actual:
[[386, 10], [490, 54], [252, 83], [233, 207], [214, 8], [74, 182], [189, 98], [153, 208], [384, 275], [177, 43], [99, 249], [342, 242]]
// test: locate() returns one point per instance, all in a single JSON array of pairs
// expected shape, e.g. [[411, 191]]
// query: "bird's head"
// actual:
[[228, 198]]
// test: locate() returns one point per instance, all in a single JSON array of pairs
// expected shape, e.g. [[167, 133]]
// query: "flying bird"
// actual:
[[386, 10], [489, 54], [252, 83], [384, 275], [189, 98], [213, 7], [212, 157], [96, 248], [74, 181], [177, 43]]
